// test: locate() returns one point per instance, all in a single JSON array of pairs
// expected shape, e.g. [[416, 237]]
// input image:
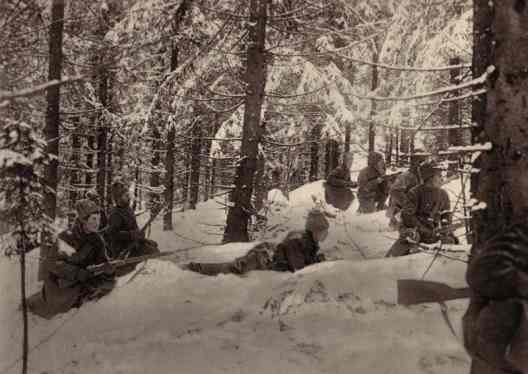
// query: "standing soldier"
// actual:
[[400, 188], [372, 191], [427, 209], [123, 232], [338, 184]]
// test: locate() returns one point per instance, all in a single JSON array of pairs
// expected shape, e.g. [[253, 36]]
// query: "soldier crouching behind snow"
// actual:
[[298, 250], [69, 282], [123, 234], [338, 184], [425, 211]]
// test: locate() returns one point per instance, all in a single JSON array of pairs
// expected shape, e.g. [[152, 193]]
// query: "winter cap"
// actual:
[[429, 169], [85, 208], [316, 221], [118, 189]]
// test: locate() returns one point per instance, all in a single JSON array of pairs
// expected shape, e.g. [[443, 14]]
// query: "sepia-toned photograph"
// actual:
[[264, 186]]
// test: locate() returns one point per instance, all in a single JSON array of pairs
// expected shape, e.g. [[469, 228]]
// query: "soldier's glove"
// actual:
[[83, 275], [411, 235], [380, 179]]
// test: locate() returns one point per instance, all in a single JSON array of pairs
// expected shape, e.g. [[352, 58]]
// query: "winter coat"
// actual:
[[426, 209], [64, 286], [340, 177], [401, 187], [122, 229], [295, 252], [495, 324]]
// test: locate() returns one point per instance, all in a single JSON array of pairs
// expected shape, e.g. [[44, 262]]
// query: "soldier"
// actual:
[[372, 191], [495, 323], [426, 210], [338, 184], [68, 282], [297, 176], [298, 250], [400, 188], [123, 233]]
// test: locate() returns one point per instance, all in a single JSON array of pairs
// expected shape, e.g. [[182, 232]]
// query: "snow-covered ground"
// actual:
[[339, 316]]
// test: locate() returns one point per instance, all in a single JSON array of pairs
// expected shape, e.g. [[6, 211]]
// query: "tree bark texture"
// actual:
[[373, 87], [240, 212], [196, 148], [51, 132], [502, 182], [314, 152]]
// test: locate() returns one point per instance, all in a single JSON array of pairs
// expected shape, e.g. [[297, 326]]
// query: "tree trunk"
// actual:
[[388, 148], [51, 132], [239, 214], [314, 152], [454, 119], [169, 157], [348, 130], [103, 96], [502, 182], [76, 153], [196, 147], [154, 197], [90, 143], [261, 187], [373, 87]]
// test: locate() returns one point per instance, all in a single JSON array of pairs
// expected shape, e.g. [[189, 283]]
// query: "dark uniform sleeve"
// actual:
[[409, 212], [114, 231], [498, 274], [445, 213], [294, 252], [337, 178]]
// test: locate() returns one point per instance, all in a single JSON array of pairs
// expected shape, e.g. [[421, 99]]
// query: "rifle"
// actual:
[[116, 264], [415, 291]]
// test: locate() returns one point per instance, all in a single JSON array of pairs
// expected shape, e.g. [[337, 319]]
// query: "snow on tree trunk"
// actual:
[[240, 212], [502, 183], [51, 132]]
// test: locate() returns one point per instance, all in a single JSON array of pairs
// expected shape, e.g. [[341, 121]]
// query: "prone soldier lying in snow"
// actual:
[[298, 250]]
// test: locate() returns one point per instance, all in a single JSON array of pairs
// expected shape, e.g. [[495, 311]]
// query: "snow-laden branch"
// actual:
[[5, 97], [474, 82], [400, 68]]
